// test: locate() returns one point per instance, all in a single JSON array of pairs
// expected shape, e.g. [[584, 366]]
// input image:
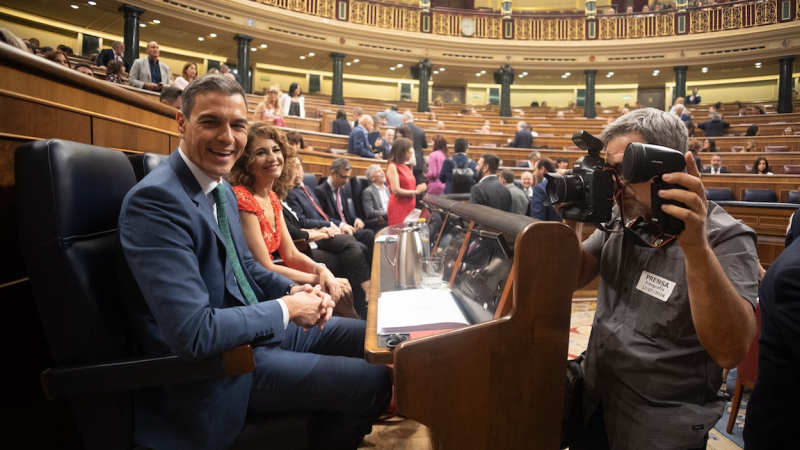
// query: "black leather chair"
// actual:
[[719, 194], [357, 186], [144, 163], [794, 197], [310, 180], [69, 196], [759, 195]]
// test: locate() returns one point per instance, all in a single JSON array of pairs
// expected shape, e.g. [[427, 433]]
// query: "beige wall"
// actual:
[[46, 38], [730, 90], [284, 78]]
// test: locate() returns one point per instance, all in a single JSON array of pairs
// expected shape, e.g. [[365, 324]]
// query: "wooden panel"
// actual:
[[12, 267], [107, 133], [28, 118], [174, 142]]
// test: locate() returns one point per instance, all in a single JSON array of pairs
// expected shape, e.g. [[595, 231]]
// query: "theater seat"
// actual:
[[793, 197], [310, 180], [791, 168], [759, 195], [144, 163], [69, 197], [776, 148], [737, 148], [719, 194]]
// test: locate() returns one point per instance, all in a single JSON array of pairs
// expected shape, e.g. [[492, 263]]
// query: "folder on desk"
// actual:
[[403, 312]]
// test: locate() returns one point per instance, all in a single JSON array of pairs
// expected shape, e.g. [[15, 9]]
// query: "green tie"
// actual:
[[225, 228]]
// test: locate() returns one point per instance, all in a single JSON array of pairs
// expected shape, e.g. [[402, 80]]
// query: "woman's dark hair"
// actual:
[[400, 148], [241, 174], [712, 146], [758, 161], [293, 87], [341, 114], [295, 138], [752, 130], [433, 116], [403, 131], [440, 143], [51, 55], [114, 67]]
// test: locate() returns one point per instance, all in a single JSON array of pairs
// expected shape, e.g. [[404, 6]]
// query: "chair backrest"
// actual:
[[793, 197], [759, 195], [309, 180], [719, 194], [748, 168], [791, 168], [737, 148], [522, 163], [144, 163], [69, 197], [776, 148], [748, 368], [357, 186], [339, 151]]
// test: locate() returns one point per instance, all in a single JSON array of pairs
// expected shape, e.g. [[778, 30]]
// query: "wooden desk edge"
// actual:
[[372, 353]]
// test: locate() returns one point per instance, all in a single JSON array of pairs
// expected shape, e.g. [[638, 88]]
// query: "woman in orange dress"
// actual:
[[262, 166], [402, 183]]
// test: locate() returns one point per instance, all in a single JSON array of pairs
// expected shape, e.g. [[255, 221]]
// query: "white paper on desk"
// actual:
[[418, 310], [386, 237]]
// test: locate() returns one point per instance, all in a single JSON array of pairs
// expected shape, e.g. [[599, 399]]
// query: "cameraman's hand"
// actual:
[[694, 236]]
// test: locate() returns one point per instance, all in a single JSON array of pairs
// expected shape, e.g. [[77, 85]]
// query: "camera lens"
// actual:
[[564, 188]]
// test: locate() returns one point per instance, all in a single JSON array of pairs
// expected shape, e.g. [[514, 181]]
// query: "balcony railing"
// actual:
[[549, 27]]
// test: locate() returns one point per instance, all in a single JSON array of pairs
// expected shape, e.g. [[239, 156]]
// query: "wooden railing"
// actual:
[[547, 27]]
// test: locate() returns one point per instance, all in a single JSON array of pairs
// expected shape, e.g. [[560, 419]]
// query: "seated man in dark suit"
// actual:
[[489, 191], [716, 166], [311, 213], [191, 288], [523, 138], [117, 51], [538, 209], [358, 143]]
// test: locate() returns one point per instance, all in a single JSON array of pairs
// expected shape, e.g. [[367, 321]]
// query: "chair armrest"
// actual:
[[138, 373], [301, 244]]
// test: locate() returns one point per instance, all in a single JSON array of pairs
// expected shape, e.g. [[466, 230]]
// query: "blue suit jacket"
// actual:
[[522, 139], [358, 144], [307, 214], [538, 210], [180, 293]]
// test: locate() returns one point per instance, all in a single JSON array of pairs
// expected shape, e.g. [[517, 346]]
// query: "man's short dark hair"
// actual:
[[507, 175], [209, 83], [460, 145], [394, 108], [491, 161], [170, 94], [340, 164], [547, 163], [562, 159], [404, 131], [83, 65]]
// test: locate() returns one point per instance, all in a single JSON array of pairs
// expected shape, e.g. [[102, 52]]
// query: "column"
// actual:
[[506, 76], [680, 82], [132, 15], [243, 60], [424, 67], [785, 84], [588, 109], [337, 92]]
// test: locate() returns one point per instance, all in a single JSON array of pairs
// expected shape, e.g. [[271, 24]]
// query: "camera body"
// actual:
[[589, 188]]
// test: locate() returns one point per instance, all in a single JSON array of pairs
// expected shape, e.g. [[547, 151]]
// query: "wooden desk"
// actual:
[[461, 383]]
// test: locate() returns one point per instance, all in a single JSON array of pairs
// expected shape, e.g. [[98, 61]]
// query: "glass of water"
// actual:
[[432, 272]]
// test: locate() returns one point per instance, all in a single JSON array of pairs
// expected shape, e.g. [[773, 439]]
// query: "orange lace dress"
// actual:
[[247, 202]]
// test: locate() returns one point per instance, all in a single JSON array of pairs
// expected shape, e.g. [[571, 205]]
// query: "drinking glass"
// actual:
[[432, 272]]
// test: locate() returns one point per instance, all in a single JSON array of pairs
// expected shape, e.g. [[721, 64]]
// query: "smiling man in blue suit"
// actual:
[[192, 288]]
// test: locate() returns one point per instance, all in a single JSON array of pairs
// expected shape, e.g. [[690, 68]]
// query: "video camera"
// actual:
[[589, 188]]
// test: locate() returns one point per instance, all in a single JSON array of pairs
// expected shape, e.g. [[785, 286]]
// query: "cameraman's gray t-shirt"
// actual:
[[645, 363]]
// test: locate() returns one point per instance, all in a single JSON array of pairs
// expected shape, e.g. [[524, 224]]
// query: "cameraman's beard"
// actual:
[[632, 207]]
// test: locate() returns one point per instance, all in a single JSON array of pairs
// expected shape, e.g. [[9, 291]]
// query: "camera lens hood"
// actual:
[[641, 162]]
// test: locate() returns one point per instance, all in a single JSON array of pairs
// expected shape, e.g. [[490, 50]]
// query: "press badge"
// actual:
[[655, 286]]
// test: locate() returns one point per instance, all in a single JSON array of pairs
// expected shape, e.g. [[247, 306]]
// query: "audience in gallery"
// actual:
[[114, 72], [440, 126], [149, 73], [293, 102], [266, 163], [520, 202], [488, 190], [761, 166], [269, 110], [432, 116], [693, 99], [438, 102], [486, 129], [358, 142], [171, 96], [84, 69], [751, 146], [115, 53], [716, 166], [709, 145], [435, 161], [340, 125], [188, 73], [58, 57], [752, 130], [393, 117], [375, 197], [7, 37], [402, 183]]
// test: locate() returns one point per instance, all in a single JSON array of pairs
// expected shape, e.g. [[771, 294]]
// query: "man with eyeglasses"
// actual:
[[336, 200]]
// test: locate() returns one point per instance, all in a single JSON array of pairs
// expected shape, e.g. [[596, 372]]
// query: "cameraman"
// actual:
[[668, 319]]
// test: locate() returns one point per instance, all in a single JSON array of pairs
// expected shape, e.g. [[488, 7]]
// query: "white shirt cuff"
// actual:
[[285, 313]]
